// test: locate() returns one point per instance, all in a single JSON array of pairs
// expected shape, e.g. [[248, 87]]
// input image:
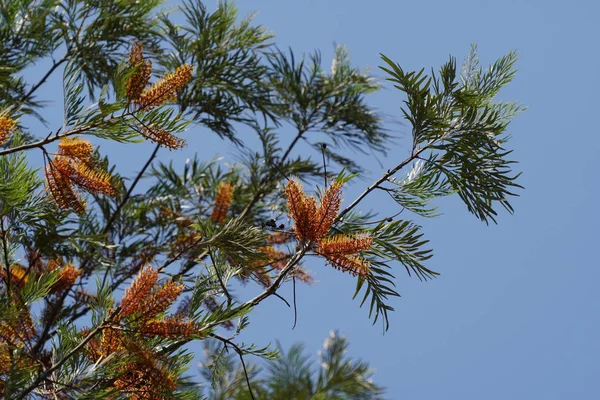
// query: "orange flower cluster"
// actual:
[[163, 137], [312, 223], [139, 80], [67, 275], [7, 124], [145, 299], [74, 165], [341, 250], [222, 202], [161, 92], [165, 90], [146, 376]]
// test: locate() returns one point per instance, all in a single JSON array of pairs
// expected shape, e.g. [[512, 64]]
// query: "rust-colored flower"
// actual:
[[75, 147], [312, 223], [74, 165], [280, 238], [162, 137], [171, 327], [222, 202], [146, 299], [85, 177], [66, 278], [7, 125], [341, 252], [140, 78], [62, 191], [344, 245], [138, 292], [165, 90], [162, 299], [350, 263]]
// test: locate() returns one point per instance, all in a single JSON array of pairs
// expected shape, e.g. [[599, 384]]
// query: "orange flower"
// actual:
[[312, 223], [341, 250], [349, 263], [73, 165], [140, 78], [344, 245], [164, 90], [145, 298], [7, 124], [76, 148], [66, 278], [19, 275], [222, 202], [140, 288], [63, 193], [163, 137], [86, 178], [171, 327]]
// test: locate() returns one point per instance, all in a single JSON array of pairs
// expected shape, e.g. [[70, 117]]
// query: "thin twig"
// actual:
[[240, 353]]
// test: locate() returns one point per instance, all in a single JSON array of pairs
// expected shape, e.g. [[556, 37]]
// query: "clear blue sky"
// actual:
[[514, 314]]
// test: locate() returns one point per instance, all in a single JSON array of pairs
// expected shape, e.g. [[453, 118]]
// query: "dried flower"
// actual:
[[162, 137], [140, 78], [165, 89], [280, 238], [222, 202], [7, 124]]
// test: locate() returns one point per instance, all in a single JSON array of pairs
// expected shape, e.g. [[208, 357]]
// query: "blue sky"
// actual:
[[514, 314]]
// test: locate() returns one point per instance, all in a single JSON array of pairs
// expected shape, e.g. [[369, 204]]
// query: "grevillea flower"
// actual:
[[67, 276], [311, 222], [280, 238], [171, 327], [341, 252], [19, 275], [74, 165], [85, 177], [140, 289], [7, 124], [162, 137], [222, 202], [74, 147], [140, 78], [165, 90], [62, 191], [147, 299]]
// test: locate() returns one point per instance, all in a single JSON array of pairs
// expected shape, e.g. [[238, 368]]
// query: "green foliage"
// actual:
[[294, 375], [459, 121]]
